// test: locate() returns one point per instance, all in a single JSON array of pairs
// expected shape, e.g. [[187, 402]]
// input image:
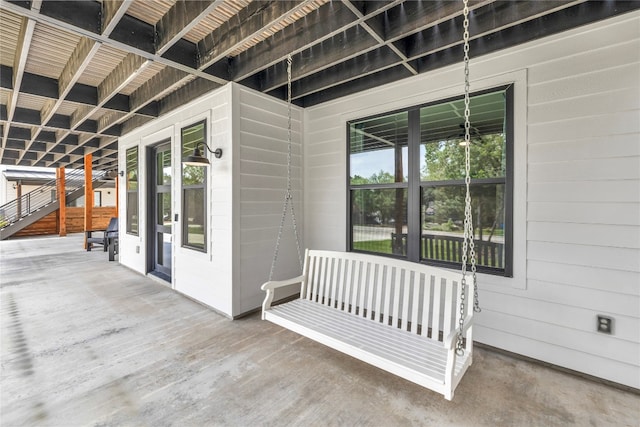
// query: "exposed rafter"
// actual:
[[119, 66], [19, 61], [181, 18]]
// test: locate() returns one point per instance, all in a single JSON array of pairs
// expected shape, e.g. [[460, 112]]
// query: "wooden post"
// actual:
[[62, 201], [88, 195], [19, 198]]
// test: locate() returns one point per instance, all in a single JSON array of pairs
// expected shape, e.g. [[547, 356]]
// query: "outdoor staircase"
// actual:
[[38, 203]]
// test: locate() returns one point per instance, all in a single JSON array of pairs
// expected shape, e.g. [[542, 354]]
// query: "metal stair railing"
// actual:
[[33, 201]]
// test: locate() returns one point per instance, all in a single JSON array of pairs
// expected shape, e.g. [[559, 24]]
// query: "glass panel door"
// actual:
[[161, 211]]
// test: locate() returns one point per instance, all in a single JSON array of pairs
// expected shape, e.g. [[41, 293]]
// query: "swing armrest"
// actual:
[[450, 340], [272, 285]]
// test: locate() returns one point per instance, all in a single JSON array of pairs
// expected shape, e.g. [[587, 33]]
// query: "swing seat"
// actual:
[[399, 316]]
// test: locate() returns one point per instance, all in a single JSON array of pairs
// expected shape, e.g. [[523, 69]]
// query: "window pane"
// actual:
[[442, 212], [163, 241], [164, 209], [379, 220], [193, 185], [193, 137], [163, 167], [132, 212], [442, 157], [194, 217], [378, 150], [132, 190], [132, 169]]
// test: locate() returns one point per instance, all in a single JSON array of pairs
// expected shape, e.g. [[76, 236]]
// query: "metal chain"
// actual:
[[468, 246], [288, 198]]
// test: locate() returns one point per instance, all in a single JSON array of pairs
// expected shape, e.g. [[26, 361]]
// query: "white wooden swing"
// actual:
[[407, 318]]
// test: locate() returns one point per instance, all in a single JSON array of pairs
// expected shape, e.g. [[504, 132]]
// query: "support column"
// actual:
[[62, 202], [88, 195], [19, 199]]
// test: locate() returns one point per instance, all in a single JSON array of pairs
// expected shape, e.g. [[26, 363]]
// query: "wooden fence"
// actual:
[[440, 247], [50, 224]]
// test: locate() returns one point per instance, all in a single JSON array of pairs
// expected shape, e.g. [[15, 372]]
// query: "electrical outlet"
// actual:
[[605, 324], [138, 249]]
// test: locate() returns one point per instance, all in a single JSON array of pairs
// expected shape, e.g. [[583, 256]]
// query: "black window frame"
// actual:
[[415, 185], [185, 188], [132, 194]]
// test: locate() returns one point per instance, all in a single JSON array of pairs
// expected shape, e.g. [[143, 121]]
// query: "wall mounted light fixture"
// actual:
[[197, 159]]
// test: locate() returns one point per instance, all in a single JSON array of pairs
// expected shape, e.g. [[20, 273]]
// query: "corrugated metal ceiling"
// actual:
[[215, 19], [149, 11], [144, 76], [9, 31], [50, 51], [104, 62]]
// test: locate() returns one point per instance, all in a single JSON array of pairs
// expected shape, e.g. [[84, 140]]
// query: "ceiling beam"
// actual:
[[342, 47], [327, 21], [443, 33], [379, 38], [134, 43], [112, 13], [77, 63], [180, 19], [432, 53], [488, 20], [159, 86], [185, 94], [19, 62], [45, 87], [31, 118], [362, 65], [333, 51], [250, 23], [126, 71]]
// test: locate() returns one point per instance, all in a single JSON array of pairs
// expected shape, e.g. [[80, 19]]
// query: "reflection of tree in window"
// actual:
[[132, 190], [385, 219], [193, 189], [378, 162]]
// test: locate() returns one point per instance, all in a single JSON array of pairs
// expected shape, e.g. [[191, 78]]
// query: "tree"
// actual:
[[445, 161]]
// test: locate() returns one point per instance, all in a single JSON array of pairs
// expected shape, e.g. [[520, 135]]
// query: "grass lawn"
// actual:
[[379, 246]]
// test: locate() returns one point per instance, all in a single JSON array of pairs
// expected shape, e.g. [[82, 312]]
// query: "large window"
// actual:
[[132, 190], [406, 182], [194, 222]]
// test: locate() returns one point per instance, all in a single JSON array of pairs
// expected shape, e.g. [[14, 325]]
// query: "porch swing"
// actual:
[[407, 318]]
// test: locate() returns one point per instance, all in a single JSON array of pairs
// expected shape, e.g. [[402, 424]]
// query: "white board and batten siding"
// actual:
[[260, 183], [577, 191]]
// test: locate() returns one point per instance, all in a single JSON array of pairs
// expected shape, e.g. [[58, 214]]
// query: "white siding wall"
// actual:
[[245, 193], [206, 277], [577, 195], [260, 184]]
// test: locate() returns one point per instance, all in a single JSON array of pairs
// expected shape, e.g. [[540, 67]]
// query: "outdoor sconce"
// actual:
[[121, 173], [197, 159]]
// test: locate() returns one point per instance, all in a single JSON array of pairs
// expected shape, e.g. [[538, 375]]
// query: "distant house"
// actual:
[[16, 180]]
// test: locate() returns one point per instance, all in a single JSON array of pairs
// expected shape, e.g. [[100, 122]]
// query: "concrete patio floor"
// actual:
[[87, 342]]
